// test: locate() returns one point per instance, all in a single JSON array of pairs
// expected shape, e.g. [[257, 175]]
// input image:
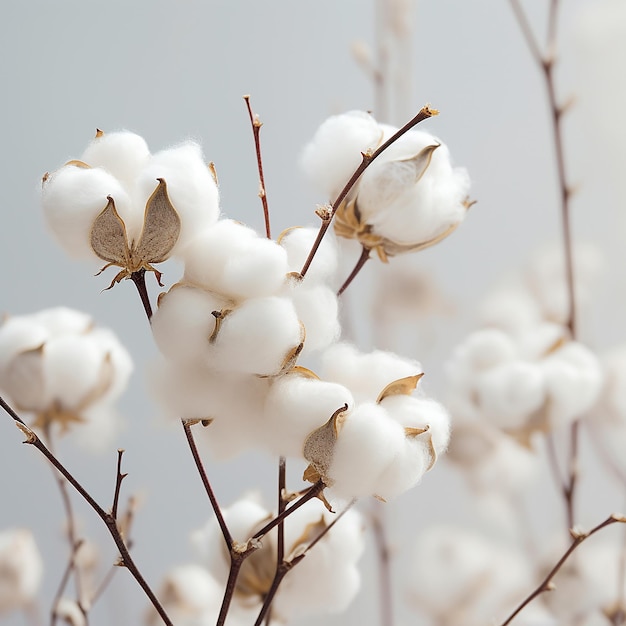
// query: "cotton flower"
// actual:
[[61, 368], [21, 569], [127, 207]]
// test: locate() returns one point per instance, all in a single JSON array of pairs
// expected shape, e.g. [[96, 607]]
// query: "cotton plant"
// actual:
[[67, 373]]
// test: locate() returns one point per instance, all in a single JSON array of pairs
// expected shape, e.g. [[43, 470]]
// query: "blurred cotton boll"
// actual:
[[63, 370], [325, 581], [21, 570]]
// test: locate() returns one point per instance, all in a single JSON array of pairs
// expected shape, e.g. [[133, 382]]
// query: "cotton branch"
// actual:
[[367, 159], [107, 518], [546, 64], [256, 130], [139, 278], [547, 584]]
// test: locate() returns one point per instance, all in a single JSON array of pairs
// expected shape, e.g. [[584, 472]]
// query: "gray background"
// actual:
[[172, 70]]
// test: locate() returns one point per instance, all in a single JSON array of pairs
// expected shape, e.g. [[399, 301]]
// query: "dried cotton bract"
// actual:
[[409, 198], [128, 207], [62, 369]]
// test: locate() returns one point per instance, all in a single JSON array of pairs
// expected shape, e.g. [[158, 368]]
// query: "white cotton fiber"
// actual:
[[231, 259], [184, 322], [333, 154], [574, 380], [19, 334], [368, 442], [509, 393], [122, 154], [366, 375], [118, 358], [298, 243], [318, 309], [72, 198], [190, 187], [296, 405], [258, 336], [74, 369]]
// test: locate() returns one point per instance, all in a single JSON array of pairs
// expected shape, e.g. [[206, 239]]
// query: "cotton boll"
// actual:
[[190, 187], [101, 423], [69, 611], [298, 243], [258, 337], [73, 197], [509, 393], [74, 371], [366, 375], [231, 259], [421, 412], [184, 322], [318, 309], [118, 358], [573, 381], [483, 349], [18, 335], [21, 569], [296, 405], [368, 442], [62, 320], [512, 310], [334, 153], [327, 580], [122, 154]]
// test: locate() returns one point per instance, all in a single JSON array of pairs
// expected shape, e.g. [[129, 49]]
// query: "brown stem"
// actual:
[[384, 567], [311, 493], [237, 557], [365, 255], [366, 160], [118, 483], [256, 131], [139, 278], [71, 564], [282, 504], [107, 518], [228, 539], [286, 566], [546, 584], [547, 63]]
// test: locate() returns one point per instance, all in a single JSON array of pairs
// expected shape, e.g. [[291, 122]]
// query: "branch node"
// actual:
[[31, 437]]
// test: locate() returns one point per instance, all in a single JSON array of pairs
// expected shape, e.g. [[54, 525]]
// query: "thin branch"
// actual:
[[107, 518], [256, 131], [287, 566], [282, 504], [365, 255], [311, 493], [71, 564], [546, 63], [228, 539], [238, 554], [546, 584], [366, 161], [118, 483], [139, 278]]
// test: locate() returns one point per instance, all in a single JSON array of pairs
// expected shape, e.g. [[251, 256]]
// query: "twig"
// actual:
[[228, 539], [287, 566], [547, 63], [282, 504], [107, 518], [546, 584], [366, 160], [309, 494], [256, 131], [139, 278], [118, 483], [64, 581], [365, 255]]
